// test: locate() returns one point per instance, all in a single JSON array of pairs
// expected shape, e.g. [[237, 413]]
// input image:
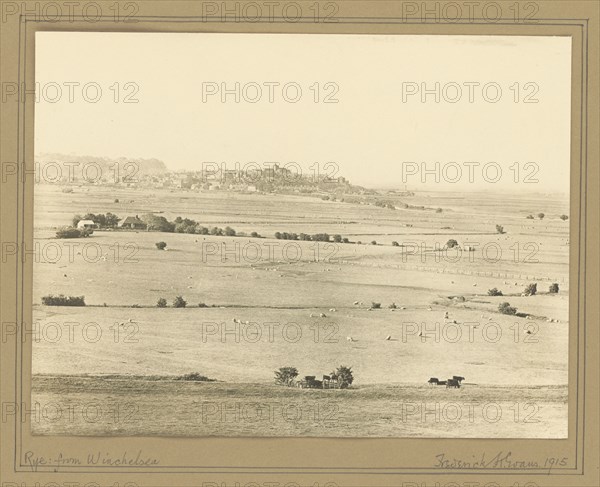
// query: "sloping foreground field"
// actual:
[[205, 340], [128, 406]]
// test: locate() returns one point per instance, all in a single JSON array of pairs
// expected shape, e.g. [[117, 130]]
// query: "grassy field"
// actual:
[[281, 292], [128, 406]]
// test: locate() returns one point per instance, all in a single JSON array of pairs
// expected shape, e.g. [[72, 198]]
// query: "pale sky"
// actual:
[[369, 133]]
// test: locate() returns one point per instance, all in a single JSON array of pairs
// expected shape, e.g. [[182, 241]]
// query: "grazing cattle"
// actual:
[[389, 337], [458, 378], [323, 315], [350, 339], [452, 383], [433, 381], [441, 383]]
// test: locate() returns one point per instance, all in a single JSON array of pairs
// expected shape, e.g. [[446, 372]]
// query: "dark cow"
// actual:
[[434, 381], [441, 383], [453, 383], [458, 378]]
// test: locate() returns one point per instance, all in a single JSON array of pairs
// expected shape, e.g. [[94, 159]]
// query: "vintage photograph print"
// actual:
[[292, 235]]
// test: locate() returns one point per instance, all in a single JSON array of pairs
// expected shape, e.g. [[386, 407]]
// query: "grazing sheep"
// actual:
[[312, 315], [389, 337], [350, 339], [323, 315], [355, 303]]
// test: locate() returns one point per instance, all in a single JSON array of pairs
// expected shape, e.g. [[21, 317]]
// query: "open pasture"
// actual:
[[278, 290]]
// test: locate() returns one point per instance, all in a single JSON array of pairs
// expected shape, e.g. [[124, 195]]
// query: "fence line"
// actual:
[[458, 271]]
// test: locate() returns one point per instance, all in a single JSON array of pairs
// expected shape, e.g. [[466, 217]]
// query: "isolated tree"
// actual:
[[373, 242], [285, 376], [344, 376], [506, 309], [451, 243], [531, 289], [337, 238], [179, 302], [76, 220], [229, 232], [541, 216], [161, 303], [395, 244], [499, 229], [161, 245], [111, 220], [564, 217], [278, 235], [553, 289]]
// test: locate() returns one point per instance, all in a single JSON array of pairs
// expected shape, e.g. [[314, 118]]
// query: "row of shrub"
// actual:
[[178, 302], [530, 290], [542, 215], [62, 300]]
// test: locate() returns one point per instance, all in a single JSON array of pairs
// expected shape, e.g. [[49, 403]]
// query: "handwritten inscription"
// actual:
[[125, 459], [501, 460]]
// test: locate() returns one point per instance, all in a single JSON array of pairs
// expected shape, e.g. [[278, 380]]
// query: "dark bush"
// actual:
[[395, 244], [161, 245], [161, 303], [179, 302], [531, 289], [494, 292], [451, 243], [344, 375], [194, 376], [70, 232], [375, 305], [285, 376], [499, 229], [564, 217], [62, 300], [553, 288], [506, 309]]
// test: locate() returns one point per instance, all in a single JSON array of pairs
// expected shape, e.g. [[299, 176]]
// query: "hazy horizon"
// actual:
[[369, 132]]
